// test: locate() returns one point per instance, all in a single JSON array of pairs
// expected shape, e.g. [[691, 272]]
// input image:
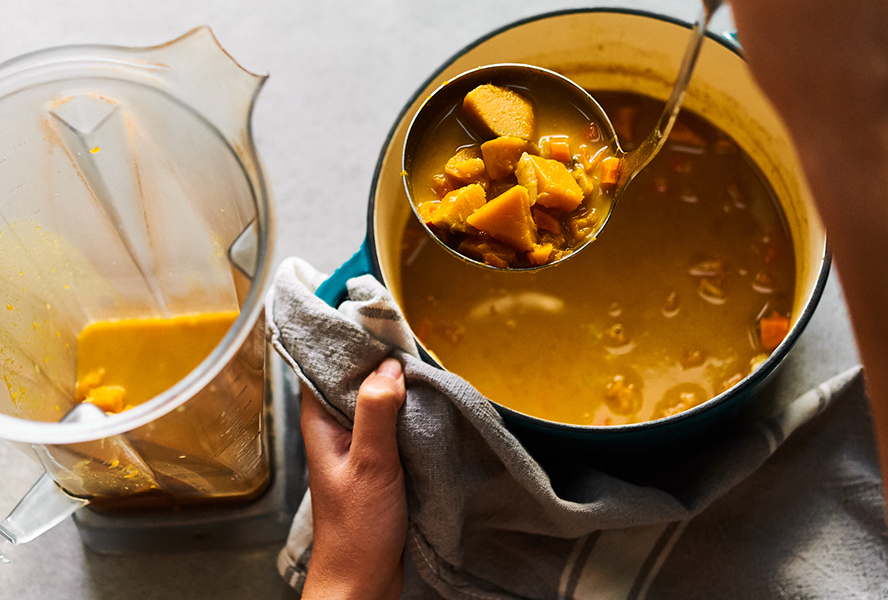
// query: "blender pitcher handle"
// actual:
[[334, 289], [46, 504], [42, 508]]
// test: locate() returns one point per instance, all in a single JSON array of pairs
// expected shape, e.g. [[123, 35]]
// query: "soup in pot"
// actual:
[[688, 289]]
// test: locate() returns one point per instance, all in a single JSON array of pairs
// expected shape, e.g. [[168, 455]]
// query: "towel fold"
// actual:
[[489, 516]]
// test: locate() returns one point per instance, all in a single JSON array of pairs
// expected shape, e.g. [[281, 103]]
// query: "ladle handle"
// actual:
[[335, 289], [42, 508], [638, 158]]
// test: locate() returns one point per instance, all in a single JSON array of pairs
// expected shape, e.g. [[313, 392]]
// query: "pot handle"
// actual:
[[730, 37], [334, 289]]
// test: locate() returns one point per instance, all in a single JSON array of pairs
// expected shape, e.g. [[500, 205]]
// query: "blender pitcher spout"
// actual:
[[197, 70]]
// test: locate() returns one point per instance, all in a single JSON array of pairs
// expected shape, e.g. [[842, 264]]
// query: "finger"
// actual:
[[379, 399], [326, 441]]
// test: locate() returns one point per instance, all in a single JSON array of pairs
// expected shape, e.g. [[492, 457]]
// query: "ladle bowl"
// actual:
[[517, 77], [524, 78]]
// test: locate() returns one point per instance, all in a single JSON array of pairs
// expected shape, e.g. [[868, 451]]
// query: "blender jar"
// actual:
[[129, 189]]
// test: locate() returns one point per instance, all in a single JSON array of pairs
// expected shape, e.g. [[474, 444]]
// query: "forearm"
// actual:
[[824, 65], [856, 219]]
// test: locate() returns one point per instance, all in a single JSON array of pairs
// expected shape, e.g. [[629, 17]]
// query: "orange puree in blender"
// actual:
[[122, 363]]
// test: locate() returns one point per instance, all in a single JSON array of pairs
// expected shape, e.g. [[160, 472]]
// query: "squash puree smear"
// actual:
[[123, 363]]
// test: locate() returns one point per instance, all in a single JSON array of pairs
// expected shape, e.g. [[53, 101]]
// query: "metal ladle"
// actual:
[[519, 76]]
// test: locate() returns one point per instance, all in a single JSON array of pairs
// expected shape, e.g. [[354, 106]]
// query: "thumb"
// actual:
[[380, 397]]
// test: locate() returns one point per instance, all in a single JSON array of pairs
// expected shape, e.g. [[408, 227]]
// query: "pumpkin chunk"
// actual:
[[502, 135], [110, 398], [502, 154], [495, 111], [610, 172], [540, 254], [548, 182], [456, 206], [772, 330], [427, 209], [467, 166], [507, 219], [442, 186]]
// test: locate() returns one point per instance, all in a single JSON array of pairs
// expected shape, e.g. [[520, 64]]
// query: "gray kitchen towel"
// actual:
[[491, 517]]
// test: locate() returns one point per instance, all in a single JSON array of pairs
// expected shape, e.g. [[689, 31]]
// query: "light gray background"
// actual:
[[340, 74]]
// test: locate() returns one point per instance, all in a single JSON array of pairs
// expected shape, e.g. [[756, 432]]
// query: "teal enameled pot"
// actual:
[[613, 49]]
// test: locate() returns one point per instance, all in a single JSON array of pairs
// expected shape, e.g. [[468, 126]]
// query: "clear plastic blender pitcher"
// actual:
[[130, 188]]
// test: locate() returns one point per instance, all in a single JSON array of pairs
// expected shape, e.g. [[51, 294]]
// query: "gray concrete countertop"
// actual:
[[340, 74]]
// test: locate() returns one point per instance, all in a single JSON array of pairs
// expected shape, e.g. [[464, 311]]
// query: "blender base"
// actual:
[[264, 521]]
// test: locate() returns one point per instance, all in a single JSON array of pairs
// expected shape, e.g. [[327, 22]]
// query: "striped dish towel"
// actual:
[[489, 517]]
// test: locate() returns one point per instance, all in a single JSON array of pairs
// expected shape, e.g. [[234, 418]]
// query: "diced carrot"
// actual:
[[624, 121], [724, 145], [507, 219], [684, 135], [556, 147], [772, 330], [498, 111], [425, 327], [771, 255], [610, 172]]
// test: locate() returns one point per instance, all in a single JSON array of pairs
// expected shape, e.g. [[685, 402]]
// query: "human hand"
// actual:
[[359, 505]]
